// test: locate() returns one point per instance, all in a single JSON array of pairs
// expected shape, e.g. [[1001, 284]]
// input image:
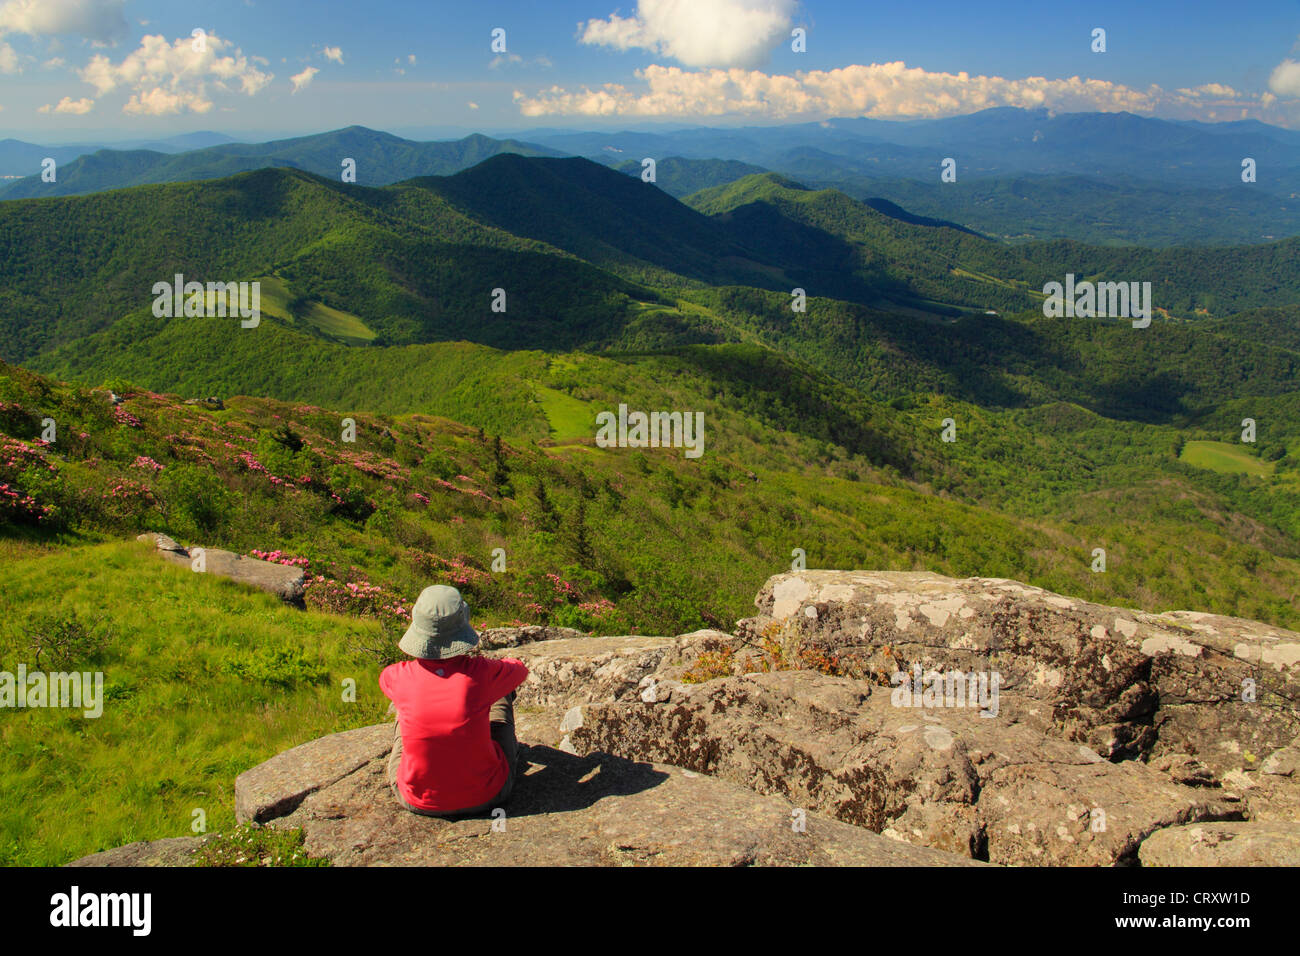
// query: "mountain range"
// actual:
[[1108, 179]]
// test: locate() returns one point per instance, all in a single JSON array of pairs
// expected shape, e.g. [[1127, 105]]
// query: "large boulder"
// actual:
[[565, 811], [995, 789], [570, 672], [276, 787], [1224, 844], [286, 583], [492, 638], [1127, 683], [169, 851]]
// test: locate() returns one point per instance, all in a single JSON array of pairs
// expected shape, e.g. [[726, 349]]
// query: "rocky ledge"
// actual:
[[286, 583], [1109, 737]]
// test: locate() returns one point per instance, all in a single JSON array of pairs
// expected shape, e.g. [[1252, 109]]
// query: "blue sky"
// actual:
[[72, 69]]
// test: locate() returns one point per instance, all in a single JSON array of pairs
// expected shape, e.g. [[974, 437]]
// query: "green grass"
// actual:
[[570, 419], [178, 721], [276, 297], [1224, 457], [250, 845]]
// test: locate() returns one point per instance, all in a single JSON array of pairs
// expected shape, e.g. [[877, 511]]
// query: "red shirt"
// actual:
[[449, 760]]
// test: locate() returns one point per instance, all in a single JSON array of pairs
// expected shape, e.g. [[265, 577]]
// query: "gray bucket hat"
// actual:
[[439, 625]]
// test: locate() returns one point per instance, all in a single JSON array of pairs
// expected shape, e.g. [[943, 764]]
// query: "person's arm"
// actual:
[[506, 674], [386, 685]]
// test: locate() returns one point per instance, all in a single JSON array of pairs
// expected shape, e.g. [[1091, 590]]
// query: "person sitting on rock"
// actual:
[[454, 747]]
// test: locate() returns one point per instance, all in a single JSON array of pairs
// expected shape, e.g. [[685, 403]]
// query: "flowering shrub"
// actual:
[[472, 492], [129, 490], [553, 600], [21, 508], [145, 462], [358, 598], [31, 487], [454, 570], [125, 501], [17, 456], [383, 468], [279, 557], [15, 419], [123, 417], [250, 463]]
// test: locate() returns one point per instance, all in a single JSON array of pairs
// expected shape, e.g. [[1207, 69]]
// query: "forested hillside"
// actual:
[[380, 301]]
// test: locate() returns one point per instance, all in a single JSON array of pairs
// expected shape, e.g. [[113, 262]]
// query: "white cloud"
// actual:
[[8, 59], [69, 105], [54, 63], [1285, 79], [333, 53], [410, 58], [166, 78], [98, 20], [710, 33], [162, 102], [879, 90], [473, 105], [303, 80], [1217, 90]]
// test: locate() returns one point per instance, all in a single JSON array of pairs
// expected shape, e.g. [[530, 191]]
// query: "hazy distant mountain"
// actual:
[[1105, 178], [1108, 178], [18, 159], [1247, 126], [177, 144], [380, 158], [994, 142], [23, 159]]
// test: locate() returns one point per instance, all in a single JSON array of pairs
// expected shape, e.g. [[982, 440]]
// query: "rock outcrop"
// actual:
[[1127, 683], [496, 637], [286, 583], [566, 810], [1110, 737], [1224, 844], [170, 851], [1110, 725], [991, 789]]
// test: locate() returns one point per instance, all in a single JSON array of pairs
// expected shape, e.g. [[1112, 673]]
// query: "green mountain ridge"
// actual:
[[380, 159]]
